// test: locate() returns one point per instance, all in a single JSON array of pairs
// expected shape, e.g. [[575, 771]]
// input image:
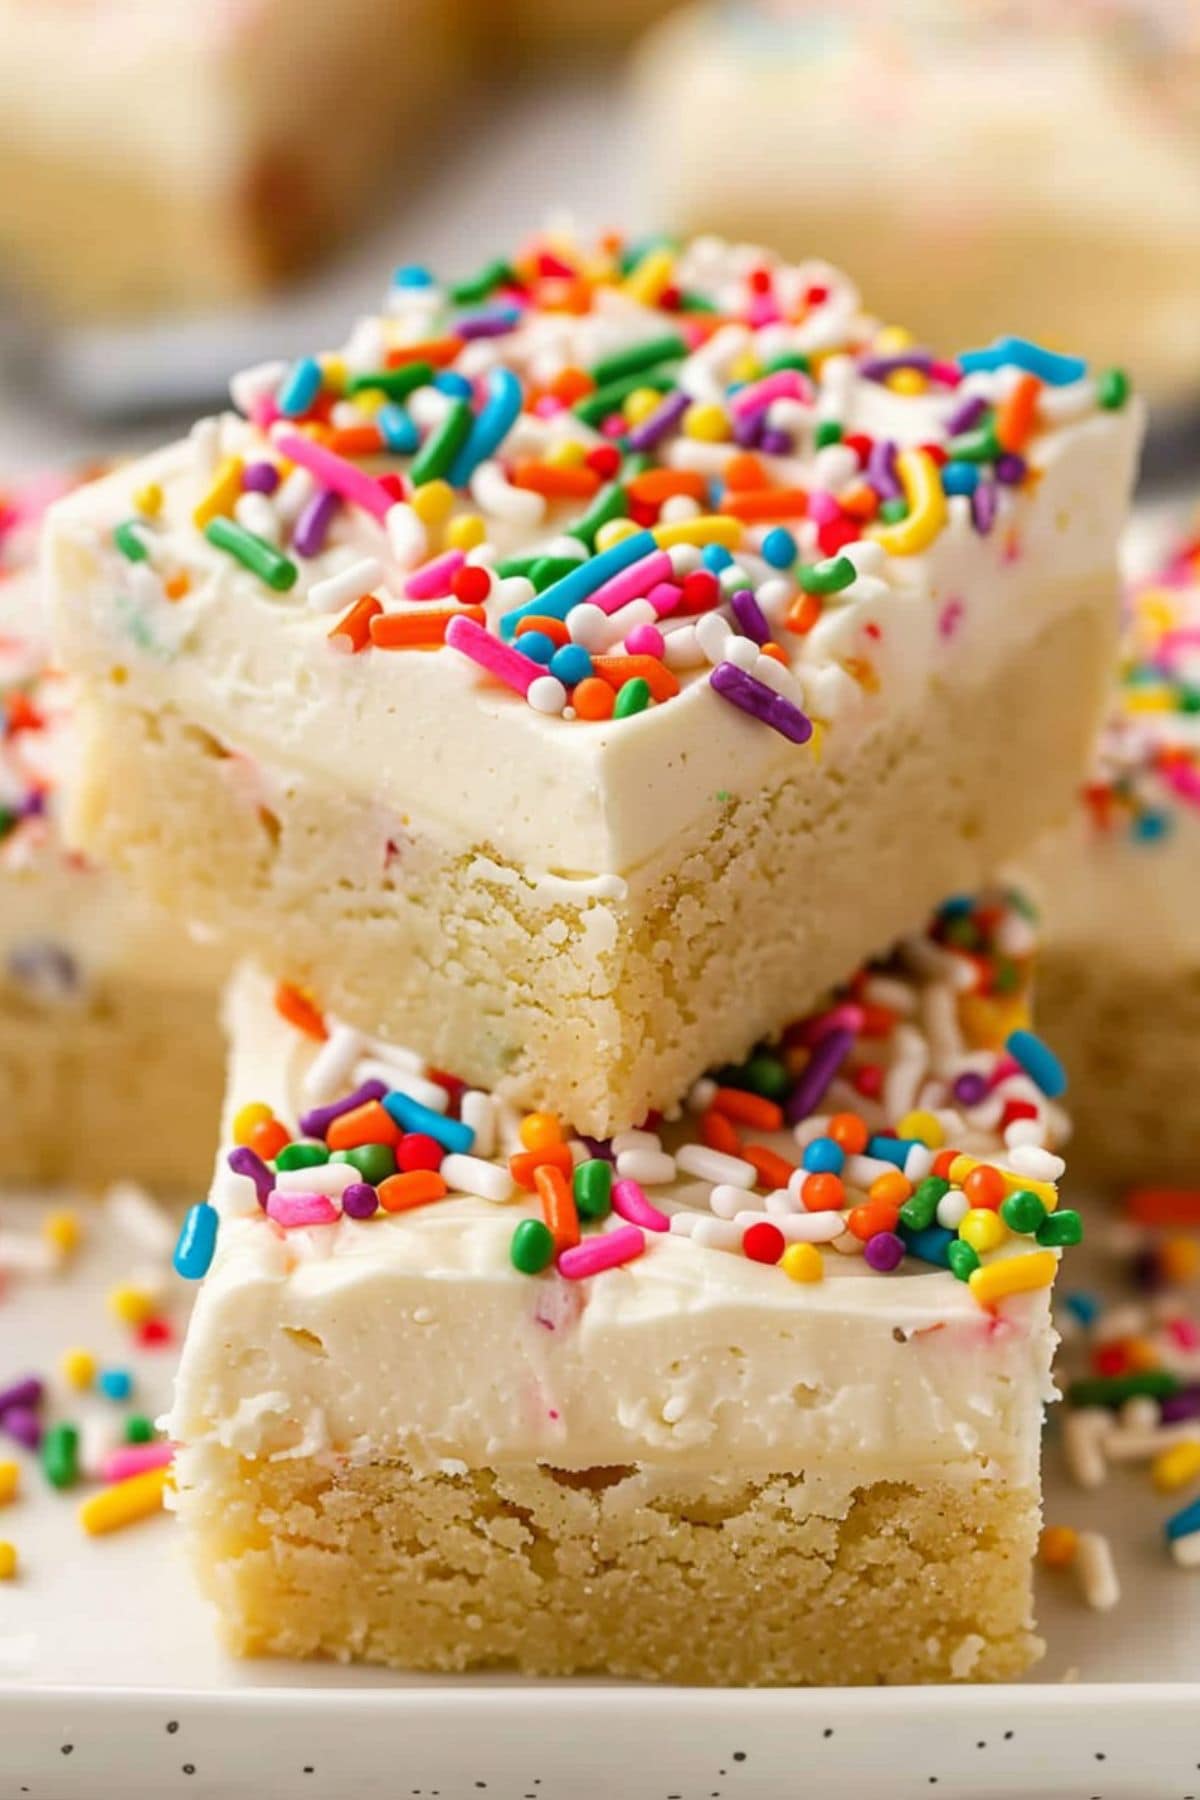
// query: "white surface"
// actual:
[[104, 1646]]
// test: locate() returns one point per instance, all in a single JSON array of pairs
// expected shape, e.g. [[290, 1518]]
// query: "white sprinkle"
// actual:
[[27, 1253], [256, 513], [256, 383], [797, 1228], [205, 440], [1096, 1571], [652, 1168], [407, 1081], [727, 1200], [715, 1165], [1085, 1430], [701, 1094], [715, 1234], [713, 635], [474, 1175], [99, 1436], [1023, 1134], [478, 1110], [1186, 1550], [952, 1209], [349, 584], [406, 535], [636, 1140], [1039, 1164], [546, 694], [333, 1065], [142, 1220], [496, 497], [331, 1179], [677, 508]]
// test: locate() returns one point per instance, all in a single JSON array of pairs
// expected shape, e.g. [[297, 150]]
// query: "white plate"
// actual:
[[111, 1682]]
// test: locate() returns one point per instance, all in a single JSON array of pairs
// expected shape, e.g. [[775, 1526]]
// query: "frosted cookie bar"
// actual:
[[594, 657], [752, 1395], [1119, 978], [886, 133], [110, 1053]]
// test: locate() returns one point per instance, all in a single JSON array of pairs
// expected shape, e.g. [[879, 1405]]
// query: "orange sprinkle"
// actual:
[[177, 585], [617, 670], [654, 486], [1164, 1205], [744, 473], [985, 1186], [748, 1109], [558, 1206], [268, 1138], [554, 629], [859, 502], [775, 651], [719, 1133], [862, 672], [369, 1123], [772, 1169], [849, 1131], [823, 1193], [943, 1162], [892, 1189], [875, 1216], [356, 440], [537, 1130], [438, 351], [1017, 416], [353, 630], [1057, 1547], [753, 504], [299, 1011], [416, 1187], [570, 385], [555, 481], [593, 698], [425, 629], [523, 1167], [803, 614]]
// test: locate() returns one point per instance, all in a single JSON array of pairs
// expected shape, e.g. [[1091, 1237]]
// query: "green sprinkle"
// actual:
[[892, 511], [593, 1189], [374, 1162], [787, 359], [532, 1247], [696, 303], [128, 539], [1022, 1212], [546, 570], [397, 384], [637, 359], [612, 502], [980, 445], [302, 1155], [829, 576], [610, 399], [1112, 389], [139, 1429], [60, 1455], [485, 281], [1060, 1229], [442, 445], [766, 1075], [1114, 1390], [632, 697], [254, 553], [962, 1259], [920, 1209], [829, 431]]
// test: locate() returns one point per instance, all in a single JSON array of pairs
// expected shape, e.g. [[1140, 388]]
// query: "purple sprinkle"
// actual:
[[970, 1088], [316, 1122], [359, 1200], [33, 806], [496, 323], [761, 702], [244, 1161], [750, 616], [24, 1393], [748, 428], [966, 415], [1184, 1405], [260, 478], [312, 527], [663, 419], [881, 470], [878, 368], [983, 507], [884, 1252], [819, 1071], [23, 1424], [600, 1149], [775, 442], [1010, 469]]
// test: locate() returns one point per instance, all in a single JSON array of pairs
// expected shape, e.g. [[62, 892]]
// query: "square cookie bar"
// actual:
[[598, 656], [753, 1395]]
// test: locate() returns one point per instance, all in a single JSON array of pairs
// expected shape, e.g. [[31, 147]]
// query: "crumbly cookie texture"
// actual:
[[455, 1375], [622, 624]]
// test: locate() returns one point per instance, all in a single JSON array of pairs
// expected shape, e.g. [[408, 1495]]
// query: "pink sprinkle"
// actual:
[[644, 640], [823, 508], [135, 1459], [290, 1210], [951, 618], [756, 396], [1183, 778], [607, 1251], [546, 405], [762, 310], [501, 660], [846, 1017], [664, 597], [633, 582], [1186, 1333], [263, 412], [629, 1200], [435, 579], [335, 472]]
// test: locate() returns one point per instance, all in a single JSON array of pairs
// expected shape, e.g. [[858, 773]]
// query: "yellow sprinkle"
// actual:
[[465, 532], [220, 498], [708, 422], [8, 1561], [649, 280], [894, 337], [62, 1229], [708, 528], [538, 1130], [247, 1119], [922, 484], [640, 404], [369, 401], [1178, 1259], [10, 1480], [906, 381], [149, 499], [1148, 699], [989, 1019], [124, 1502], [983, 1229], [333, 372], [1175, 1467], [817, 741], [131, 1305], [1046, 1191], [1058, 1546], [570, 454], [803, 1262], [925, 1127], [745, 367], [615, 532], [79, 1368], [1015, 1275], [433, 502]]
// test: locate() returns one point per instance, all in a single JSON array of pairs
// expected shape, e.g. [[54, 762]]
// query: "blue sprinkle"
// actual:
[[891, 1149], [537, 645], [779, 548], [410, 1115], [115, 1384], [197, 1241], [931, 1244], [823, 1156], [449, 381], [1020, 353], [1084, 1307], [1038, 1061], [1149, 827], [956, 906], [299, 388], [1183, 1523], [715, 557], [412, 275], [570, 662], [960, 477], [400, 432]]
